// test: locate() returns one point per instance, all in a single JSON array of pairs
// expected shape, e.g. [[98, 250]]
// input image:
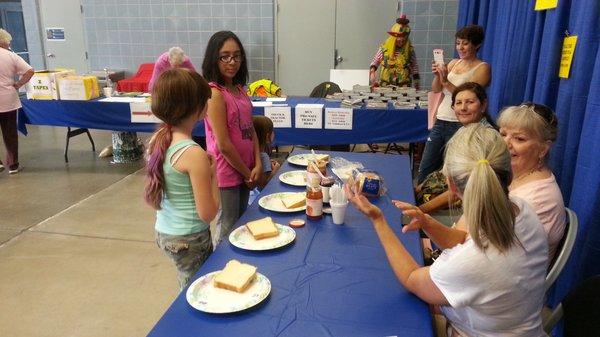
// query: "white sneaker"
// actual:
[[15, 171], [1, 168]]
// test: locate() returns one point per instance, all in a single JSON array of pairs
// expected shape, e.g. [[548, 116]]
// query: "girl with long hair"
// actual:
[[230, 135], [181, 180]]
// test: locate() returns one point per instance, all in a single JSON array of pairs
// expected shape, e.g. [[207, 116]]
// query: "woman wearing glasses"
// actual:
[[230, 135]]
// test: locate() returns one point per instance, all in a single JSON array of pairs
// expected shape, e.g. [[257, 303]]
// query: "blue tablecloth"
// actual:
[[370, 125], [331, 281]]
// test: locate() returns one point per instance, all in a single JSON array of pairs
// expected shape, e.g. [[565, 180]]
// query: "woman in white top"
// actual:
[[489, 281], [467, 68]]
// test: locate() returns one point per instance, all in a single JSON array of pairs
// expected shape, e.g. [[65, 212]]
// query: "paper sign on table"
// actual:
[[567, 56], [259, 104], [281, 116], [338, 118], [276, 99], [309, 116], [142, 113]]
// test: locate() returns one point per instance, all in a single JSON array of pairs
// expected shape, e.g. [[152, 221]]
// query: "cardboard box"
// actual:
[[43, 84], [78, 88]]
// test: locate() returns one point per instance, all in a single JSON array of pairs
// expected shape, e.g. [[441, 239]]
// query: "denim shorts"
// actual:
[[188, 252]]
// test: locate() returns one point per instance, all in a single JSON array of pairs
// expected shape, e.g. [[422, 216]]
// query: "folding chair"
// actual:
[[564, 249]]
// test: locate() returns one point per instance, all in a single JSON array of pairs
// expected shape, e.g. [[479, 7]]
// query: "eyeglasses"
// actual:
[[229, 58]]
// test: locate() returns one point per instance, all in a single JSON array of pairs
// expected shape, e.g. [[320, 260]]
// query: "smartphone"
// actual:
[[438, 56]]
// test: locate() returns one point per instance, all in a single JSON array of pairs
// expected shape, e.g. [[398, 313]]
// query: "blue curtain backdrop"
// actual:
[[524, 49]]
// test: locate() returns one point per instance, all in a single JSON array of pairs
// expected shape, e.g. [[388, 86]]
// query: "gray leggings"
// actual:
[[188, 252], [234, 201]]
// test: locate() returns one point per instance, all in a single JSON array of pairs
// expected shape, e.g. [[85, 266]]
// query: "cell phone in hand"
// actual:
[[438, 56]]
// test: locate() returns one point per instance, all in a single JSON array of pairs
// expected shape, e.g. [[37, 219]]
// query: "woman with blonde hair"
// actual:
[[489, 281]]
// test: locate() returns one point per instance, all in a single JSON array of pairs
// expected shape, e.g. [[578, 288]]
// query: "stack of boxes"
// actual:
[[62, 84]]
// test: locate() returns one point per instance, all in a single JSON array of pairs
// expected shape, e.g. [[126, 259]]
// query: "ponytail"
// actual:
[[477, 161], [487, 209], [155, 179]]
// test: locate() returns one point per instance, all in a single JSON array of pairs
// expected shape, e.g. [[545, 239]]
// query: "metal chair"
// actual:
[[579, 311], [564, 249]]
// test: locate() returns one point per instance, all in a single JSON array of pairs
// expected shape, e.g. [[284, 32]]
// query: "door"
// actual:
[[305, 40], [63, 35], [11, 19], [361, 27]]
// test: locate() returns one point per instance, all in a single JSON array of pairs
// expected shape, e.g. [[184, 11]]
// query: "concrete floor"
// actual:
[[77, 251]]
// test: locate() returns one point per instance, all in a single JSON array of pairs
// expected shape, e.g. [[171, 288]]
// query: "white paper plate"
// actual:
[[273, 202], [294, 178], [300, 159], [204, 296], [242, 238]]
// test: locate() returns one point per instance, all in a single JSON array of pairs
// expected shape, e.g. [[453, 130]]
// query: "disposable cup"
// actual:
[[338, 212]]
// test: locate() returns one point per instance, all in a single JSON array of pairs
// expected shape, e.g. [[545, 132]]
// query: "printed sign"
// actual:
[[55, 34], [567, 56], [338, 118], [280, 115], [142, 113], [541, 5], [309, 116]]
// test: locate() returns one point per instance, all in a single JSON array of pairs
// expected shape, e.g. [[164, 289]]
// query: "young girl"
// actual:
[[230, 136], [181, 179], [263, 126]]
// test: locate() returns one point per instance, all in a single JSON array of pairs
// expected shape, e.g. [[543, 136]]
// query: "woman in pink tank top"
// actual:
[[230, 135]]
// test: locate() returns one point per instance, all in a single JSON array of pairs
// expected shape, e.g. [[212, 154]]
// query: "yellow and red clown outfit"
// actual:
[[398, 62]]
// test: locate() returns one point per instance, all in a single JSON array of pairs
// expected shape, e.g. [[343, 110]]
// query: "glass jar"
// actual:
[[314, 202]]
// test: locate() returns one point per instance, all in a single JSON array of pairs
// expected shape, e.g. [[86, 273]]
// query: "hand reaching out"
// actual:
[[363, 204], [275, 165], [418, 218]]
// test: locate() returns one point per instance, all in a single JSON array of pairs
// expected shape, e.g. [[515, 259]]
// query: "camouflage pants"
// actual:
[[188, 252]]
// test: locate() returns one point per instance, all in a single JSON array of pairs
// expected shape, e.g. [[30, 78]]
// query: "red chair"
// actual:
[[139, 82]]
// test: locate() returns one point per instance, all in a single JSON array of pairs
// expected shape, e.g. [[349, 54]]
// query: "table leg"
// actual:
[[76, 132]]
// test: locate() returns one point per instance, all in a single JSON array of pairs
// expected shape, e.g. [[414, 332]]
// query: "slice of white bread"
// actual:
[[236, 276], [294, 200], [262, 228], [321, 157]]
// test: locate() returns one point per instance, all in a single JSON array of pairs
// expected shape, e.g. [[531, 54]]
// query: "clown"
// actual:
[[397, 58]]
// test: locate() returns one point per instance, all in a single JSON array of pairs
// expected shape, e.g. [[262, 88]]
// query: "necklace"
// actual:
[[533, 170]]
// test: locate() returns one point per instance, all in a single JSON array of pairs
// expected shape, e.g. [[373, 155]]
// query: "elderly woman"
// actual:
[[11, 66], [174, 58], [473, 280], [529, 131]]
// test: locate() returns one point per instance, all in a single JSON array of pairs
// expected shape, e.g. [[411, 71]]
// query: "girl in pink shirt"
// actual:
[[230, 135]]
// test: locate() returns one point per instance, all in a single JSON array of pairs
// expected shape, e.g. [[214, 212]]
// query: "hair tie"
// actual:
[[483, 161], [169, 126]]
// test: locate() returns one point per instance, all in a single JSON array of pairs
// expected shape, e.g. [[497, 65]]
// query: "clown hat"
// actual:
[[400, 28]]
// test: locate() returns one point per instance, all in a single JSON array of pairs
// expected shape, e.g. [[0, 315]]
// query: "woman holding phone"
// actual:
[[467, 68]]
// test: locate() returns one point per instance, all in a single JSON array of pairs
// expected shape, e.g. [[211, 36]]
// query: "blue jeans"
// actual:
[[433, 155], [234, 201], [188, 252]]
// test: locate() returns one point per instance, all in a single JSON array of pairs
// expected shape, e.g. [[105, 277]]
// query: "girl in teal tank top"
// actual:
[[181, 182]]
